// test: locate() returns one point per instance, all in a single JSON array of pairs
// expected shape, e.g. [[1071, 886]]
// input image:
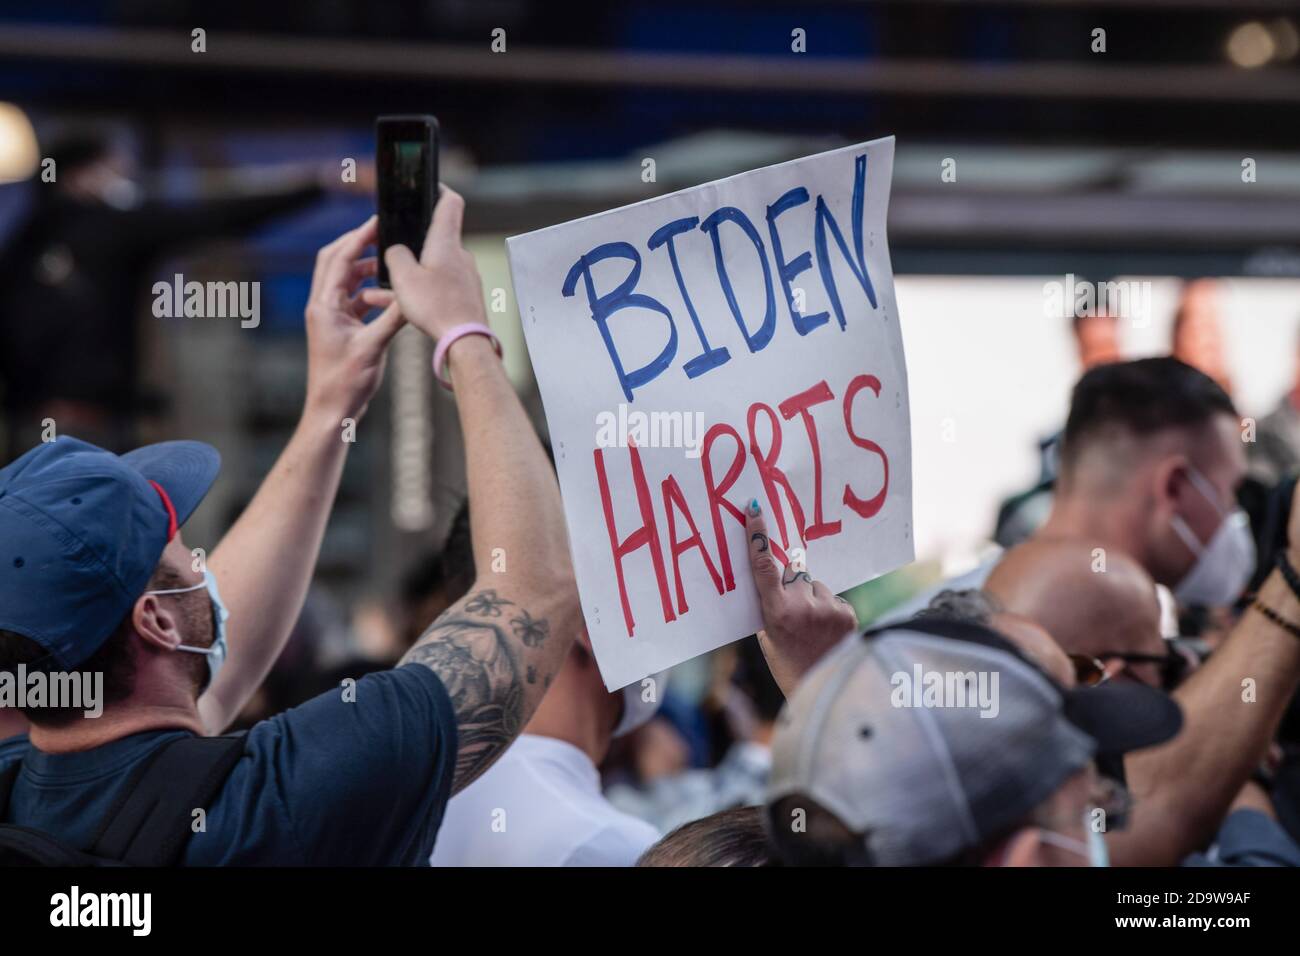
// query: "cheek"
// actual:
[[1169, 552], [198, 622], [1205, 523]]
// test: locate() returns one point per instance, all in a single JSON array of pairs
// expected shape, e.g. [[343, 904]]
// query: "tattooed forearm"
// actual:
[[530, 630], [477, 664], [485, 603]]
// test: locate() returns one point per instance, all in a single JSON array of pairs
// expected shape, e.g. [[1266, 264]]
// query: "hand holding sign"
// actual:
[[736, 339], [802, 617]]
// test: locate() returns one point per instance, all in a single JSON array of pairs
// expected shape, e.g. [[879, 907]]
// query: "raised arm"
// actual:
[[265, 562], [159, 225], [497, 648], [1231, 709]]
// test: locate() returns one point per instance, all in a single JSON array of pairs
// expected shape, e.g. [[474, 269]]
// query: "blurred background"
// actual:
[[1154, 143]]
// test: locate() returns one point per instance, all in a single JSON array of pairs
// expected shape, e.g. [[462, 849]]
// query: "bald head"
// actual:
[[980, 607], [1035, 643], [1092, 602]]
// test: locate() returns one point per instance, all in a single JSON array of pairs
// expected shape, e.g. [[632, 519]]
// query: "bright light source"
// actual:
[[19, 155], [1251, 45]]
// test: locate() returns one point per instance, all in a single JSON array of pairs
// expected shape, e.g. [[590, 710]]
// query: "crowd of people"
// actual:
[[1040, 711]]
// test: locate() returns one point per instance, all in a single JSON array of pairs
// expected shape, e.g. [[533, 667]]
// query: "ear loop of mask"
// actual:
[[186, 647], [217, 651], [1179, 523], [1207, 490], [1224, 562]]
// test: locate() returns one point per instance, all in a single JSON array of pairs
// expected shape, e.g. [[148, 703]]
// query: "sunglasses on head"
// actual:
[[1090, 671]]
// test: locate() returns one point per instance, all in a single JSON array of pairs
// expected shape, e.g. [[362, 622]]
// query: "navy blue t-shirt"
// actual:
[[330, 783]]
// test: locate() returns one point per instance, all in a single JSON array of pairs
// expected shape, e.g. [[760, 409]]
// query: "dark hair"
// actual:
[[1140, 398], [447, 573], [969, 604], [731, 838], [113, 659], [825, 841], [818, 839]]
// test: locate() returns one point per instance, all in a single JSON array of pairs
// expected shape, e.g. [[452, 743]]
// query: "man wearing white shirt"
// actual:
[[541, 803]]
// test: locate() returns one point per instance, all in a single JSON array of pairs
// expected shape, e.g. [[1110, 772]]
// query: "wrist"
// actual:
[[470, 348], [1276, 594], [787, 661], [324, 415], [464, 348]]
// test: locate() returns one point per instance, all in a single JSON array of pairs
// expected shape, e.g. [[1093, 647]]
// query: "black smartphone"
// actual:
[[406, 164]]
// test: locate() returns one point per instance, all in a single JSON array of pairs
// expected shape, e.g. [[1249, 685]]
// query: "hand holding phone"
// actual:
[[406, 157], [442, 289]]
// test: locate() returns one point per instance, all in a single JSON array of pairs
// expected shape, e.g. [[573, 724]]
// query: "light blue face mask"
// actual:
[[1098, 854], [1095, 849], [216, 653]]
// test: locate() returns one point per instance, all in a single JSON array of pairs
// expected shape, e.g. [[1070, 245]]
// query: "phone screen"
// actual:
[[407, 166]]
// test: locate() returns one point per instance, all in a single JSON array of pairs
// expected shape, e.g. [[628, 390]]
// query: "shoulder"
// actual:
[[360, 734], [337, 757], [411, 693]]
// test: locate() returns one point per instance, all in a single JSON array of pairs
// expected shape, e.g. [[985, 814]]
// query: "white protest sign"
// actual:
[[695, 351]]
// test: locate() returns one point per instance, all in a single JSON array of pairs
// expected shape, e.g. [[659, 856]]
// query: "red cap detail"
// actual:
[[172, 527]]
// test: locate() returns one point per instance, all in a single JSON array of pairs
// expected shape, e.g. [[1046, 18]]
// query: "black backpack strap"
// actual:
[[23, 846], [151, 821], [8, 777]]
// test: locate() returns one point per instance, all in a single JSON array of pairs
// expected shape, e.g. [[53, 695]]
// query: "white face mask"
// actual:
[[216, 652], [1225, 563], [641, 701]]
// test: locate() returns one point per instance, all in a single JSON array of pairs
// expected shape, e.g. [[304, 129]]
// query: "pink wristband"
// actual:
[[446, 342]]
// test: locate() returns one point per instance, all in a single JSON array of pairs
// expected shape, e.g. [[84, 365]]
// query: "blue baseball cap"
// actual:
[[81, 533]]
